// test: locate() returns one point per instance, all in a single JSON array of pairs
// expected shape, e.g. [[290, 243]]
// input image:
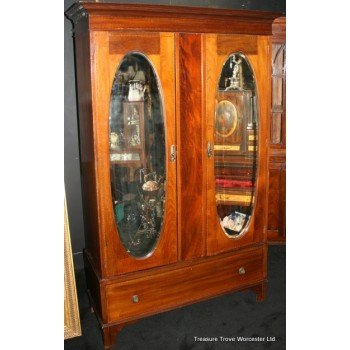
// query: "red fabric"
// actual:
[[233, 183]]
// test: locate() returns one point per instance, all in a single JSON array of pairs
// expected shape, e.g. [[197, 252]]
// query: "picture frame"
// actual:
[[72, 326]]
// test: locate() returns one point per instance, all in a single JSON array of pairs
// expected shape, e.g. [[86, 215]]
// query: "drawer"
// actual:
[[167, 290]]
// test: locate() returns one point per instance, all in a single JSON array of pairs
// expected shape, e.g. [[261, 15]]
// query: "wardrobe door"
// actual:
[[134, 112], [191, 143], [237, 107]]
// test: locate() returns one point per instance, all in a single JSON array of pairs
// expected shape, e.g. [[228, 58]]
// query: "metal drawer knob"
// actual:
[[241, 271], [135, 298]]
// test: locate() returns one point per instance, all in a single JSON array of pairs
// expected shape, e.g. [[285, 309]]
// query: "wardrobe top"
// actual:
[[116, 16]]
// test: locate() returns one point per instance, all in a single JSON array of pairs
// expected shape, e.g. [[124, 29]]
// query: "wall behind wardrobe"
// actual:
[[71, 141]]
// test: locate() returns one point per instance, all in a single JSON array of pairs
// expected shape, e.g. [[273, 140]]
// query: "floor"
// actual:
[[226, 318]]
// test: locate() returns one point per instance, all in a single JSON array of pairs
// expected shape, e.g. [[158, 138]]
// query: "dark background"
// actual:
[[71, 141]]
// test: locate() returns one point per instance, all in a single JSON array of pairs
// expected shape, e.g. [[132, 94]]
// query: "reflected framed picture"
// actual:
[[232, 115], [134, 124], [225, 118]]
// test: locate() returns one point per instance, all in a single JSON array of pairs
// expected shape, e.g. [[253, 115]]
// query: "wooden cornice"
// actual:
[[112, 16]]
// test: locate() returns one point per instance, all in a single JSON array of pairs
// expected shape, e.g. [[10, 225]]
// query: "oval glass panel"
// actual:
[[235, 145], [137, 154]]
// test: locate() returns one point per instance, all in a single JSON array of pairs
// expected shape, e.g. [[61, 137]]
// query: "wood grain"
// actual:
[[279, 30], [179, 287], [87, 150], [190, 144], [276, 227], [193, 259], [117, 260], [277, 203], [260, 61], [122, 43], [111, 16], [243, 43], [93, 277]]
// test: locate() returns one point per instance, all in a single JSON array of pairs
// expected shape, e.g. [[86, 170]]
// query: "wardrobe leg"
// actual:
[[260, 291]]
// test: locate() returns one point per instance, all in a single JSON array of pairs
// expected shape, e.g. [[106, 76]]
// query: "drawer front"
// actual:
[[167, 290]]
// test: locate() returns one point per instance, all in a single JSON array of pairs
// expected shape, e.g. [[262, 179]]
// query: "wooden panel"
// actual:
[[190, 145], [217, 241], [278, 108], [172, 18], [122, 43], [245, 43], [116, 260], [277, 155], [87, 151], [93, 286], [276, 128], [277, 203], [277, 92], [276, 232], [279, 30], [196, 25], [164, 291]]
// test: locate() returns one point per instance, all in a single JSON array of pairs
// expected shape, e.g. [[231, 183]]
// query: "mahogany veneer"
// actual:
[[193, 259], [276, 227]]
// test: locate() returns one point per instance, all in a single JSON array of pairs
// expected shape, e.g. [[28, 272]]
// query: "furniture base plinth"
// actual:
[[125, 299]]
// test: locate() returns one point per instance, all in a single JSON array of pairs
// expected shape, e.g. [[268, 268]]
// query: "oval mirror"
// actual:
[[137, 154], [235, 145]]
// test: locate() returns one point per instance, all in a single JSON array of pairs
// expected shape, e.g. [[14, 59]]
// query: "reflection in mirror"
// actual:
[[235, 145], [278, 92], [137, 155]]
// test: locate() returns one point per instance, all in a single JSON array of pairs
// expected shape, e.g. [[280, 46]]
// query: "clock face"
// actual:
[[225, 118]]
